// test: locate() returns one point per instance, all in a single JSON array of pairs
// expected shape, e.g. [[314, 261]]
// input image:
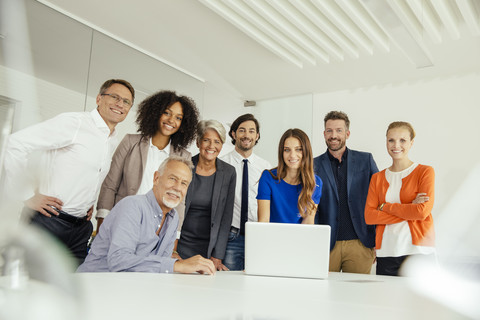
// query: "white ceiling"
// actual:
[[358, 49]]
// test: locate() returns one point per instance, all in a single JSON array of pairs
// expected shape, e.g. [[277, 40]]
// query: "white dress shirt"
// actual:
[[155, 157], [256, 165], [72, 153]]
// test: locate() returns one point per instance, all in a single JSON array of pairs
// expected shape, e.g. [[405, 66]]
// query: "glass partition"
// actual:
[[44, 61], [51, 63], [112, 59], [278, 115]]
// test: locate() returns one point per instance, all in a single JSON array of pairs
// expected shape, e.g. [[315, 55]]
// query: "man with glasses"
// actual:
[[73, 153]]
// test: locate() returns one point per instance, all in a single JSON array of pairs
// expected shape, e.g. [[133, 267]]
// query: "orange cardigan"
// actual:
[[419, 216]]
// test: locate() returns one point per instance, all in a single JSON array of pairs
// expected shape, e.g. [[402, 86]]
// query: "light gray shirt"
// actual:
[[127, 240]]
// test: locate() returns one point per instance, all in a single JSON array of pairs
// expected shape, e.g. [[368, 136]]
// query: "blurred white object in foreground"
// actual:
[[36, 277], [455, 280]]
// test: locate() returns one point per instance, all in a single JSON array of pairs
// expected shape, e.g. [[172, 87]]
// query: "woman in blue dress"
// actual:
[[290, 192]]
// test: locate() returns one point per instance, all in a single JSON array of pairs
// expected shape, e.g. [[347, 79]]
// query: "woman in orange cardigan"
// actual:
[[399, 202]]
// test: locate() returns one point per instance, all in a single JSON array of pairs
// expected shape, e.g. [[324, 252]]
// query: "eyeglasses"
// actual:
[[126, 103]]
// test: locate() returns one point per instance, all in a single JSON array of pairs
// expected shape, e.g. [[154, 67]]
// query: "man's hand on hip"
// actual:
[[44, 204]]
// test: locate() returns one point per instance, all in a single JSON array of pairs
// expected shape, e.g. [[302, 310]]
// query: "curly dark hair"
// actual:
[[151, 109]]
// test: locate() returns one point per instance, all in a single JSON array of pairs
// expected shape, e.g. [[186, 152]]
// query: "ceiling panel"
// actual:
[[332, 45], [319, 31]]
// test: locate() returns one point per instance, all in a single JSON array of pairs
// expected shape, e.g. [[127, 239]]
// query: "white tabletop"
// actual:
[[234, 295]]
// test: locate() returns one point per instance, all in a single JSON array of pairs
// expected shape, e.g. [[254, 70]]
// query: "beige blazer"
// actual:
[[126, 172]]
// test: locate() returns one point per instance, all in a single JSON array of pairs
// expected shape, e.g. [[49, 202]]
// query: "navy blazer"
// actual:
[[360, 168], [222, 206]]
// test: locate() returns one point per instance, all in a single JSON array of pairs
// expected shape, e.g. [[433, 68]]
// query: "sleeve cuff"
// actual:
[[102, 213], [167, 266]]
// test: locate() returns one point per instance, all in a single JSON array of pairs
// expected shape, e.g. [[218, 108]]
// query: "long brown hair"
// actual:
[[305, 204]]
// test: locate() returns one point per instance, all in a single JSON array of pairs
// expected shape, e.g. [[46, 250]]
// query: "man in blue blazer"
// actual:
[[346, 177]]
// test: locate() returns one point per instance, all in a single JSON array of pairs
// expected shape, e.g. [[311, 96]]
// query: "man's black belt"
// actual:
[[68, 217]]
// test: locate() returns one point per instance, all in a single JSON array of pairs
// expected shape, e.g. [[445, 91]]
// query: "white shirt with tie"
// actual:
[[256, 166]]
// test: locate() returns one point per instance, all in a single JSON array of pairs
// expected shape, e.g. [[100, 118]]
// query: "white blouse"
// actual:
[[155, 158], [397, 238]]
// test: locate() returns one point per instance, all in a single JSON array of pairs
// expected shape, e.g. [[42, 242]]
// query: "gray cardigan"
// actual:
[[223, 197]]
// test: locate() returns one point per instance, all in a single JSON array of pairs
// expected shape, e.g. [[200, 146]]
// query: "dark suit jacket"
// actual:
[[222, 206], [360, 168]]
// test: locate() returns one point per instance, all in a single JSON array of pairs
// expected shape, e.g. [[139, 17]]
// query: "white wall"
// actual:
[[223, 107], [443, 111], [278, 115], [38, 100]]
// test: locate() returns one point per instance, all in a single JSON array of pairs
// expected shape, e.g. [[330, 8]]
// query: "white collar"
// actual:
[[166, 149], [100, 123]]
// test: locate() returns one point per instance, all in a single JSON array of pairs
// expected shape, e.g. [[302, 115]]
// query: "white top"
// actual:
[[155, 158], [72, 153], [397, 238], [256, 165]]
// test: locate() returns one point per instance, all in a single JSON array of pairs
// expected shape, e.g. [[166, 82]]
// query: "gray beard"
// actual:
[[170, 204]]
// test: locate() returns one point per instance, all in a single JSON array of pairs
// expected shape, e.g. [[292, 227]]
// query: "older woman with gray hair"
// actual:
[[210, 198]]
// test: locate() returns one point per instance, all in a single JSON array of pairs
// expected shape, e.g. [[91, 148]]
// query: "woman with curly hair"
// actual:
[[166, 125], [290, 192]]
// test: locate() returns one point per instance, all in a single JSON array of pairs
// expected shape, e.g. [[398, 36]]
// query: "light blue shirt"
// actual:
[[127, 240]]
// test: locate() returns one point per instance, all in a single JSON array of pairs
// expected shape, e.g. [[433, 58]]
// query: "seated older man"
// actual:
[[139, 233]]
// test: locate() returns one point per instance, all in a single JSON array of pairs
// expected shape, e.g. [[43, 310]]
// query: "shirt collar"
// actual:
[[166, 149], [100, 123], [332, 158], [239, 158], [153, 202]]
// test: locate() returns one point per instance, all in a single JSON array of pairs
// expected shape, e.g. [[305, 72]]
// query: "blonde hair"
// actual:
[[402, 124]]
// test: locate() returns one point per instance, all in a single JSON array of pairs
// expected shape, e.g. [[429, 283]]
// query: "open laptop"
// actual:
[[287, 250]]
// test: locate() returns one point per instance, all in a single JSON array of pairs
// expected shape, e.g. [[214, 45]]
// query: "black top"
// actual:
[[195, 235], [346, 230]]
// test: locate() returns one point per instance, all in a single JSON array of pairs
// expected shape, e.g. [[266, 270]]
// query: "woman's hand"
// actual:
[[421, 198], [175, 255], [218, 264]]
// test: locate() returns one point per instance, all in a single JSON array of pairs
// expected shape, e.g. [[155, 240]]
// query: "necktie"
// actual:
[[244, 207]]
